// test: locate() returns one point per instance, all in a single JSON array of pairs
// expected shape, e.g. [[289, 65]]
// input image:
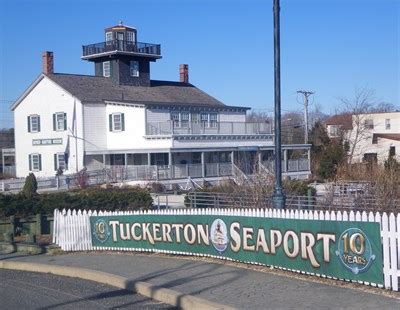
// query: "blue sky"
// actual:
[[330, 46]]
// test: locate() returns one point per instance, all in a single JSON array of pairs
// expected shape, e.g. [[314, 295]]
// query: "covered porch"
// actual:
[[197, 163]]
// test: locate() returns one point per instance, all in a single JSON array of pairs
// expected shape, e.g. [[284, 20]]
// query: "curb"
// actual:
[[164, 295]]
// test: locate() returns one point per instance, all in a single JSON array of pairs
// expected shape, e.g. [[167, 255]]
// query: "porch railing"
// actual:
[[293, 165], [217, 128]]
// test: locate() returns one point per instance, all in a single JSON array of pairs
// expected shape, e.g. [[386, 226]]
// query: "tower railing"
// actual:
[[121, 46]]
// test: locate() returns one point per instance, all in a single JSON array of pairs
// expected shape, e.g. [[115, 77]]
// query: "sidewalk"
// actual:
[[223, 284]]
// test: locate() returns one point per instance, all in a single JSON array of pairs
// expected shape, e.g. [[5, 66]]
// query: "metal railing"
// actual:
[[247, 200], [217, 128], [121, 46]]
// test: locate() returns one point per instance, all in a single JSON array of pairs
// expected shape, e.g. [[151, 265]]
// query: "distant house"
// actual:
[[120, 117], [374, 136]]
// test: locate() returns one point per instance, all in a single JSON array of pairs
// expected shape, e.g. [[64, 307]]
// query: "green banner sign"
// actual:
[[346, 250]]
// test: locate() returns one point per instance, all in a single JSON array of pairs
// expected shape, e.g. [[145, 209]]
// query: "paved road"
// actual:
[[238, 287], [29, 290]]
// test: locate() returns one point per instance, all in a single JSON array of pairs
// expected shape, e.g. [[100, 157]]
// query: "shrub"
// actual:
[[30, 186], [297, 188], [92, 199], [157, 187]]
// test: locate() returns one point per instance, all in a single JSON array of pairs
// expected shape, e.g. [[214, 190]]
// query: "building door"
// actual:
[[121, 43]]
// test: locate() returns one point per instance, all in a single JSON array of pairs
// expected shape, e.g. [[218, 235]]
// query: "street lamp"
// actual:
[[278, 198]]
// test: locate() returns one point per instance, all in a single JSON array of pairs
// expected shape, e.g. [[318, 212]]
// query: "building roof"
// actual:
[[343, 120], [389, 136], [88, 88]]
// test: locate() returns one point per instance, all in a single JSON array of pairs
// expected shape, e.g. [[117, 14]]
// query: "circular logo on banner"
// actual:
[[101, 230], [355, 251], [219, 235]]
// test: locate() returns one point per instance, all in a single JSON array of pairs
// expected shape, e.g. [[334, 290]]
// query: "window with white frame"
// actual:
[[204, 119], [175, 118], [106, 69], [185, 118], [33, 123], [35, 162], [60, 161], [387, 124], [134, 68], [195, 118], [60, 121], [109, 37], [369, 124], [213, 120], [334, 130], [130, 36], [117, 122]]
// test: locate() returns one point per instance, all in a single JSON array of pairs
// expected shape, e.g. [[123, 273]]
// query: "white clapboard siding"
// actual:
[[71, 231]]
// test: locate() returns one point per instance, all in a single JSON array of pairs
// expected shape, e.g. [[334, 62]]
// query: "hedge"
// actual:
[[90, 199]]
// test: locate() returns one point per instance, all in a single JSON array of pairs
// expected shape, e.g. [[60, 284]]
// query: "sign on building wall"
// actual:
[[345, 250], [46, 141]]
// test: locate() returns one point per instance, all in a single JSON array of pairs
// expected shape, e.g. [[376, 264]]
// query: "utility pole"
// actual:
[[278, 198], [306, 94]]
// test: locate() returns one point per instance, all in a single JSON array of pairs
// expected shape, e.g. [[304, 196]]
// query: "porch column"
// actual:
[[203, 165], [285, 159], [171, 169], [232, 160], [148, 159], [309, 159], [2, 158], [104, 160], [125, 165], [259, 161]]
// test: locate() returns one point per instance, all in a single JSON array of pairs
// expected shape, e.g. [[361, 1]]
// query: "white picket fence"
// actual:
[[72, 231]]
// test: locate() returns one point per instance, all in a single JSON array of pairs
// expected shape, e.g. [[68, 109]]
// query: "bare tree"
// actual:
[[385, 107], [258, 117]]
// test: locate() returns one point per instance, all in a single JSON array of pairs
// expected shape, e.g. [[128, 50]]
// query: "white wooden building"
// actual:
[[374, 136], [119, 117]]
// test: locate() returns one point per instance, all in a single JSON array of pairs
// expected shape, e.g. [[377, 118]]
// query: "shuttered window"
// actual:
[[60, 121], [117, 122], [33, 123], [35, 162], [59, 161]]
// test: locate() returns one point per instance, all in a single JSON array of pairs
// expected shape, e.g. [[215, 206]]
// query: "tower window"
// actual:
[[106, 69], [109, 37], [134, 68], [130, 36]]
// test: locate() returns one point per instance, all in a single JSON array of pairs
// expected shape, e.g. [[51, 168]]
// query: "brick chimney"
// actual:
[[48, 62], [184, 73]]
